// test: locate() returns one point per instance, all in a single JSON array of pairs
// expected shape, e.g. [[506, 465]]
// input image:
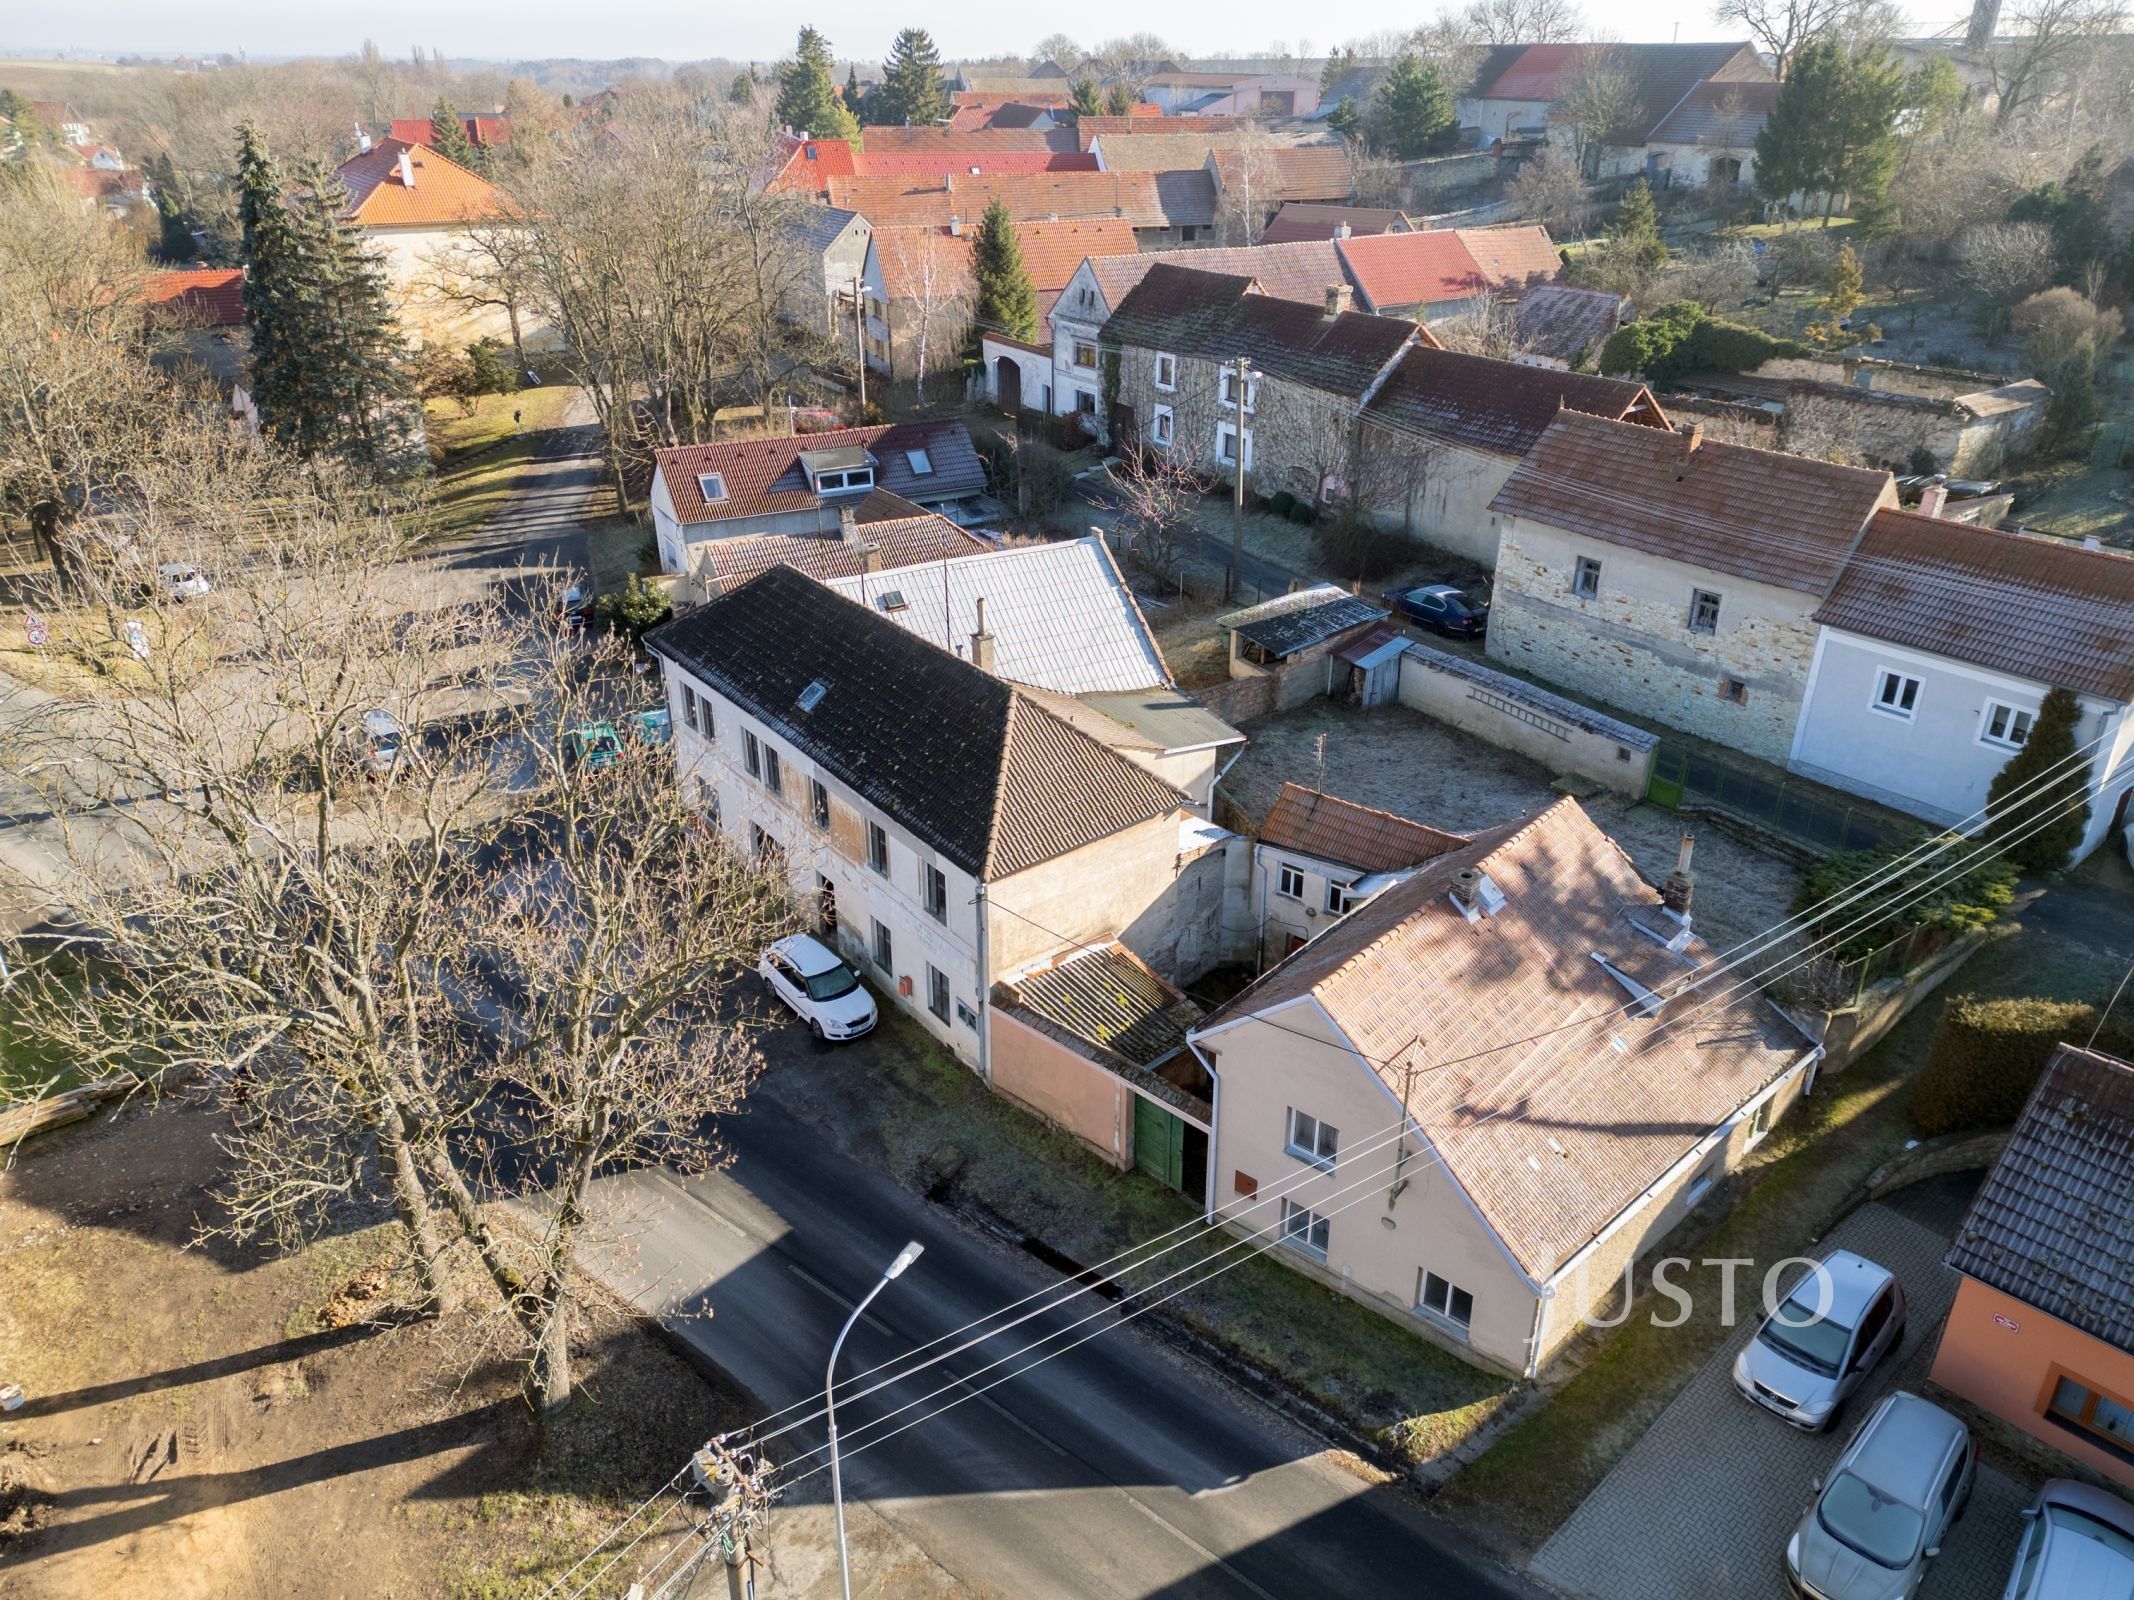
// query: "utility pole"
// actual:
[[1234, 577], [734, 1481], [859, 337]]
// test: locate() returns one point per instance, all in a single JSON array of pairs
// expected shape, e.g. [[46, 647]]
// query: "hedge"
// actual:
[[1678, 338], [1988, 1054]]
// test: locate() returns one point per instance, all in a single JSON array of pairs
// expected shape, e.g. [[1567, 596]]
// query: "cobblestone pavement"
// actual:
[[1702, 1505]]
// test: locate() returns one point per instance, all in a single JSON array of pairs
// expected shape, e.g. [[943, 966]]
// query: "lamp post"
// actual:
[[905, 1258]]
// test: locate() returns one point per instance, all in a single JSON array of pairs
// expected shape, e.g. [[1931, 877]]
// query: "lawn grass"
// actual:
[[1772, 230], [2074, 500], [936, 1118], [454, 430], [480, 455], [618, 548], [1536, 1475]]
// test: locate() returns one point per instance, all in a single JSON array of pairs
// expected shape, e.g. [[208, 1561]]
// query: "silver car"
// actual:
[[1879, 1518], [1841, 1318], [2079, 1546]]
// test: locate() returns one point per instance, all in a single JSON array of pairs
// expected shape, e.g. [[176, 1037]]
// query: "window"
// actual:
[[878, 848], [2081, 1407], [937, 992], [1734, 691], [922, 464], [1703, 611], [1446, 1302], [761, 842], [1166, 372], [884, 953], [1760, 1119], [1229, 389], [1586, 579], [1337, 899], [1226, 444], [934, 887], [819, 802], [1312, 1140], [773, 773], [844, 482], [1896, 694], [711, 486], [689, 706], [1085, 402], [1160, 428], [1289, 883], [2006, 725], [1189, 233], [1085, 354], [751, 754], [1304, 1230], [891, 600], [811, 696], [966, 1016]]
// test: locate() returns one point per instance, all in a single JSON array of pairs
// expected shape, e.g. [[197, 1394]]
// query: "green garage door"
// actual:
[[1159, 1143]]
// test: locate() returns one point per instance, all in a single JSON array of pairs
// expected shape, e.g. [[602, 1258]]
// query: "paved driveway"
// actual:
[[1702, 1505]]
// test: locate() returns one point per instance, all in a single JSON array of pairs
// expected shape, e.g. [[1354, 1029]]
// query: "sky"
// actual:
[[679, 31]]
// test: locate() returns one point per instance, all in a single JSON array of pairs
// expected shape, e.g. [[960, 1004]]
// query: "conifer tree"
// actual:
[[1412, 115], [174, 239], [1004, 301], [742, 91], [271, 286], [448, 136], [1088, 98], [1119, 100], [852, 91], [911, 81], [2038, 819], [808, 101], [351, 390]]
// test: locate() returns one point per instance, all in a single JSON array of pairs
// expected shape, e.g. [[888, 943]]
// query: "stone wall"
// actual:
[[1631, 645]]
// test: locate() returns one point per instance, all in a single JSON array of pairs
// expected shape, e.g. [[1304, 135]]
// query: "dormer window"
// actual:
[[846, 471], [922, 464], [711, 486], [891, 600]]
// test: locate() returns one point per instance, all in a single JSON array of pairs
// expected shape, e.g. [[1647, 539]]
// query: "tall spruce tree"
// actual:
[[1005, 302], [852, 91], [1413, 115], [1088, 99], [448, 136], [911, 81], [174, 236], [2038, 818], [272, 286], [1119, 100], [1833, 128], [353, 392], [808, 101]]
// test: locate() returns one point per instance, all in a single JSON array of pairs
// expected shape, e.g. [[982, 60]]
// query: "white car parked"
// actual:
[[818, 988], [182, 581]]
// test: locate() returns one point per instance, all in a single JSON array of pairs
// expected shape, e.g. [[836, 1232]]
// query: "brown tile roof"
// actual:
[[1305, 219], [1145, 199], [1394, 270], [444, 191], [1515, 257], [1094, 128], [1053, 250], [1552, 1141], [1552, 319], [763, 477], [1301, 172], [1157, 147], [972, 766], [1328, 828], [984, 140], [1498, 406], [2054, 1224], [1725, 115], [901, 534], [1778, 519], [2040, 609], [1213, 316], [1302, 272], [940, 163], [196, 297]]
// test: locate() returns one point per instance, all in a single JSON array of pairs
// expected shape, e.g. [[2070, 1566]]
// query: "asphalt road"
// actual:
[[1117, 1471]]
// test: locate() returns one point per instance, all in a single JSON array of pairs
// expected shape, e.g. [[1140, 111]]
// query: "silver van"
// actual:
[[1881, 1515]]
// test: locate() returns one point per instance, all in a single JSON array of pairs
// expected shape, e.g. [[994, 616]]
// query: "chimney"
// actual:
[[362, 139], [982, 642], [1339, 298], [1341, 230], [955, 227], [1467, 888], [871, 558], [1694, 439], [1681, 883], [1932, 498], [407, 169], [848, 524]]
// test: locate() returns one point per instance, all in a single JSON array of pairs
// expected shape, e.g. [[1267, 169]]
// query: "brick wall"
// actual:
[[1631, 645]]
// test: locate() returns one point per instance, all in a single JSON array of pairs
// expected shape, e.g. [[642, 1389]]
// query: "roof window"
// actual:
[[711, 486], [891, 600], [811, 696], [922, 464]]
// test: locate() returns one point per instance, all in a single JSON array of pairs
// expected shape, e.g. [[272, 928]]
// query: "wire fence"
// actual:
[[1793, 808], [1901, 957]]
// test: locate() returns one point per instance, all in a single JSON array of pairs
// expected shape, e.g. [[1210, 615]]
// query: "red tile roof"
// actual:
[[1395, 270], [444, 192], [994, 140], [197, 297], [940, 163], [1541, 72], [480, 131], [810, 164], [1146, 199], [1053, 250], [763, 476], [2042, 609], [1329, 828], [1788, 521], [1516, 257], [1306, 219]]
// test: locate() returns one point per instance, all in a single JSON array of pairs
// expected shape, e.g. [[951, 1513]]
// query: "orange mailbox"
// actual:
[[904, 987]]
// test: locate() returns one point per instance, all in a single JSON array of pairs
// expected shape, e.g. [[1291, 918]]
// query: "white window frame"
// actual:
[[712, 486], [1697, 599], [2003, 741], [1337, 899], [1315, 1143], [1227, 392], [1299, 1223], [819, 802], [773, 771], [1228, 430], [1444, 1314], [1285, 875], [1163, 427], [1165, 376], [1901, 709], [1586, 578], [1079, 348], [921, 464], [1757, 1124]]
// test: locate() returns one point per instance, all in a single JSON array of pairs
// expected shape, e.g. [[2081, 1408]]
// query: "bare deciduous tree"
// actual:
[[1780, 27], [1718, 280], [1525, 21], [2004, 261], [928, 278], [1550, 190], [2049, 40], [1602, 105]]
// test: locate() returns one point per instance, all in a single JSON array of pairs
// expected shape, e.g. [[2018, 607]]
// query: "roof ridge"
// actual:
[[1357, 805]]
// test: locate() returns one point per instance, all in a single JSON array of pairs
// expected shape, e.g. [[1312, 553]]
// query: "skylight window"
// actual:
[[711, 486], [811, 696], [922, 464], [891, 600]]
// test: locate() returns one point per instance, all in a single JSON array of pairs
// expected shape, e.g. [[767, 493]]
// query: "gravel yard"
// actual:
[[1404, 762]]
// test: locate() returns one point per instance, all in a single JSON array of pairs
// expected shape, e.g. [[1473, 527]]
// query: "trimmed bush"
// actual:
[[1281, 503], [1917, 894], [1988, 1055], [1679, 338], [1303, 513]]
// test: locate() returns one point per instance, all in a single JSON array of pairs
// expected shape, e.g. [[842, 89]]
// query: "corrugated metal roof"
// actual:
[[1292, 622], [2040, 609], [1060, 616], [2054, 1224]]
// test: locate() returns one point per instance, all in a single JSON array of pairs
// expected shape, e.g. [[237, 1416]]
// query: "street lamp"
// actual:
[[905, 1258]]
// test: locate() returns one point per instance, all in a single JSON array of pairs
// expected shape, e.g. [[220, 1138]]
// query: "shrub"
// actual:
[[1987, 1056], [1303, 513], [637, 606], [2038, 802], [1041, 476], [1974, 899], [1352, 547], [489, 368], [1281, 503], [1679, 338]]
